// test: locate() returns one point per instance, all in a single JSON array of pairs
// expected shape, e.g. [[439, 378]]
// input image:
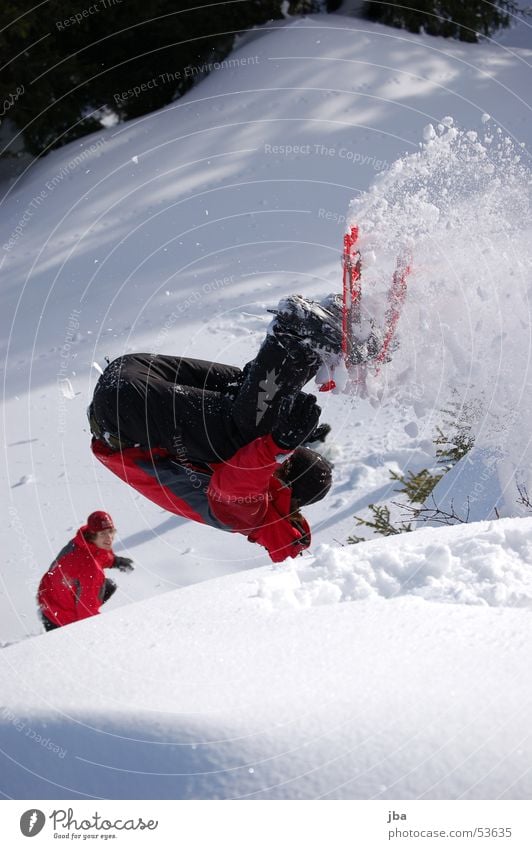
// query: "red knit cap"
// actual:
[[99, 521]]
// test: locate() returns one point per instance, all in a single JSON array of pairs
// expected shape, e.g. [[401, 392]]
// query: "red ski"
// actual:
[[351, 313], [396, 299], [351, 292]]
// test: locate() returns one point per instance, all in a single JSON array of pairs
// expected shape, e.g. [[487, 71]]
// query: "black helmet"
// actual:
[[308, 475]]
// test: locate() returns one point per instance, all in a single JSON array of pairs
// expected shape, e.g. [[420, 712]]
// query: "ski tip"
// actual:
[[351, 236]]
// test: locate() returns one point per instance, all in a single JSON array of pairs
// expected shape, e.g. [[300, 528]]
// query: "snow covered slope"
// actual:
[[174, 233], [273, 684]]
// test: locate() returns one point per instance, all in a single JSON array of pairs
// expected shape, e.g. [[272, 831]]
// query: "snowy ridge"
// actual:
[[234, 688], [486, 563]]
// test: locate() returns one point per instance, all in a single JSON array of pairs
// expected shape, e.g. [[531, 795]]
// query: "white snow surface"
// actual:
[[396, 668], [264, 685]]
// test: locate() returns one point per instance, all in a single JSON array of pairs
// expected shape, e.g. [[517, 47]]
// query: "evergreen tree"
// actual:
[[67, 63], [449, 18]]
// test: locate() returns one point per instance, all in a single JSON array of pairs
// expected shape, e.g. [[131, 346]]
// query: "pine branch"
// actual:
[[524, 497], [417, 487], [452, 445], [381, 524], [435, 514]]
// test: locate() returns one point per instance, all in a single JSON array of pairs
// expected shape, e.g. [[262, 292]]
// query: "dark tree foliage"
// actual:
[[463, 19], [67, 62]]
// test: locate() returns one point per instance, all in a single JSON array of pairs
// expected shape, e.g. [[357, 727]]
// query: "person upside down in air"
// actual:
[[221, 445]]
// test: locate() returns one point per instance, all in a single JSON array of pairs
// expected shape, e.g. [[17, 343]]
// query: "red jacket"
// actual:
[[72, 588], [239, 495]]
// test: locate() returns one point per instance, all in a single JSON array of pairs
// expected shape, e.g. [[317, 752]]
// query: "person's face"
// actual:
[[104, 539]]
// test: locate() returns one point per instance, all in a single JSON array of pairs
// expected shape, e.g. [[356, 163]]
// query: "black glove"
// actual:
[[296, 420], [125, 564]]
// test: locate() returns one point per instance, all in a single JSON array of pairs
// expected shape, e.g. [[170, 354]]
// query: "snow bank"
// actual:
[[229, 691], [482, 564]]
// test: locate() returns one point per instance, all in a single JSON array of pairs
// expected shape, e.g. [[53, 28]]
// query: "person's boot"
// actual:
[[366, 350], [308, 320], [362, 350], [334, 303]]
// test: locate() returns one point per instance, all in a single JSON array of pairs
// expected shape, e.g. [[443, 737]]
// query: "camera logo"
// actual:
[[32, 822]]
